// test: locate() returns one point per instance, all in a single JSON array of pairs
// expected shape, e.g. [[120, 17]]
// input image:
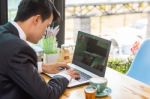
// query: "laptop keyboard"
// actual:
[[83, 76]]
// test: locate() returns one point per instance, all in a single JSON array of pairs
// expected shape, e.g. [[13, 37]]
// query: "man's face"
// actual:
[[39, 29]]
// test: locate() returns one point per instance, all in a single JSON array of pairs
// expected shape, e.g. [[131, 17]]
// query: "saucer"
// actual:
[[105, 92]]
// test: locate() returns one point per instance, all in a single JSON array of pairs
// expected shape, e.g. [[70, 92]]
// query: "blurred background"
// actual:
[[124, 22]]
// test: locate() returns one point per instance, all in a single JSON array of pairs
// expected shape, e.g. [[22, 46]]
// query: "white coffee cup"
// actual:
[[99, 82]]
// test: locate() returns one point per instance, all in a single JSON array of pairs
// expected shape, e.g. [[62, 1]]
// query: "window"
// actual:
[[12, 9], [96, 17]]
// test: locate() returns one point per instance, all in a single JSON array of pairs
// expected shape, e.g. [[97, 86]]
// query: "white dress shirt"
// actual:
[[22, 36]]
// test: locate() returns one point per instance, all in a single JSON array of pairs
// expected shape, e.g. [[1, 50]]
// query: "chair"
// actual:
[[140, 67]]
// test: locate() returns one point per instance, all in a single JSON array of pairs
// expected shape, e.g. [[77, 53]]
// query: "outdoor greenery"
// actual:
[[119, 64]]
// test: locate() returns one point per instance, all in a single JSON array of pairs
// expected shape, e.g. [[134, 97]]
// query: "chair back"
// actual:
[[140, 67]]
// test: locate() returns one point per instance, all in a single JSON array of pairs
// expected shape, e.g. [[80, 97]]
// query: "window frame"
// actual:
[[3, 12]]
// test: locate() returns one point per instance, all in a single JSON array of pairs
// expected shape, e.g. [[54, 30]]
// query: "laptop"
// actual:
[[90, 57]]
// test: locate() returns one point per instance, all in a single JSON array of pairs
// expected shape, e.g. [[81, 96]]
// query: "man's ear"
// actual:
[[36, 19]]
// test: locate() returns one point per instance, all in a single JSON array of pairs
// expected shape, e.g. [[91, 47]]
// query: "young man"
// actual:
[[19, 78]]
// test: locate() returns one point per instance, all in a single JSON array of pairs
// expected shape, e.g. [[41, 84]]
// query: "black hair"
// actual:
[[29, 8]]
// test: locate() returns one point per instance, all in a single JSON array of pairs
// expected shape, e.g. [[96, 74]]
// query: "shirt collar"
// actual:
[[22, 34]]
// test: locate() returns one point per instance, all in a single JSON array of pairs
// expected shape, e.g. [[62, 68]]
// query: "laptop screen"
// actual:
[[91, 53]]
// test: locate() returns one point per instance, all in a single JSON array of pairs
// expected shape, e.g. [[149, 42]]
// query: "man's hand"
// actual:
[[73, 73], [57, 67], [54, 68]]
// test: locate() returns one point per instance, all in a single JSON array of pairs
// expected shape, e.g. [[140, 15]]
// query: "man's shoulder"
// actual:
[[11, 39], [16, 46], [14, 43], [10, 35]]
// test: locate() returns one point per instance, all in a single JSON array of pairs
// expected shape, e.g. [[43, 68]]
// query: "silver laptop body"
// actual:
[[90, 57]]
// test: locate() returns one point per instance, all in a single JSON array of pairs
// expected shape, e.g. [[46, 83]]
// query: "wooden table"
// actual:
[[123, 87]]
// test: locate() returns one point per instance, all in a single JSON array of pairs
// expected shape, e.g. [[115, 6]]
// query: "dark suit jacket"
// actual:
[[19, 78]]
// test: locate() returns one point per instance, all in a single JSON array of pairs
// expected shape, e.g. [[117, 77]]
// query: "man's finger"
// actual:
[[74, 74], [63, 65]]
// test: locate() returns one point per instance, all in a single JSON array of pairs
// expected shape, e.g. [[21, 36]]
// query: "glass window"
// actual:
[[91, 17], [12, 8]]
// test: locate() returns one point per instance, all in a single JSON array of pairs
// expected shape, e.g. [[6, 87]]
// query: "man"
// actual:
[[19, 78]]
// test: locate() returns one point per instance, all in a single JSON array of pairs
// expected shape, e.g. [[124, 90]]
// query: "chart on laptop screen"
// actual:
[[91, 51]]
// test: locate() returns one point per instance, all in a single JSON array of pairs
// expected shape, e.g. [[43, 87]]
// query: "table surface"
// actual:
[[122, 86]]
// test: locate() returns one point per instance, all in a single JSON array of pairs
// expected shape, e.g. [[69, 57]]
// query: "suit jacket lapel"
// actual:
[[12, 29]]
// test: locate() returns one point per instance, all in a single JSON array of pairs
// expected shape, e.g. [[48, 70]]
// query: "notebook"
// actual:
[[90, 57]]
